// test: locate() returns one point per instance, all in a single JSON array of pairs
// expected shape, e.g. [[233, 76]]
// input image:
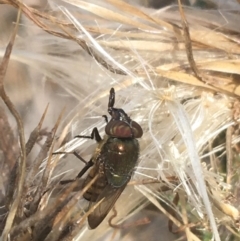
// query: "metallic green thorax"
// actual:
[[119, 158]]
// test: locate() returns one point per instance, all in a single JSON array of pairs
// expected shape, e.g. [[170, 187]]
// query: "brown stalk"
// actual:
[[188, 44], [63, 217], [47, 172], [40, 157], [10, 154], [173, 213], [43, 182], [30, 14], [190, 57], [139, 222], [42, 217], [212, 157], [171, 179], [93, 54], [35, 133], [35, 196], [229, 154], [75, 230], [22, 160]]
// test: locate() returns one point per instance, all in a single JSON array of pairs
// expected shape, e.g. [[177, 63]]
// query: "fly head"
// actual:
[[121, 125]]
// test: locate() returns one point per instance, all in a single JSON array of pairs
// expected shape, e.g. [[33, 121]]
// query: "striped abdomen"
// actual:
[[97, 187]]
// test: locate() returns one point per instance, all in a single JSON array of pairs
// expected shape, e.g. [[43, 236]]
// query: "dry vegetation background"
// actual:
[[175, 68]]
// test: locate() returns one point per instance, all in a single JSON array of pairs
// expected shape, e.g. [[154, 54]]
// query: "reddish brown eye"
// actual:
[[121, 129], [137, 130], [118, 129]]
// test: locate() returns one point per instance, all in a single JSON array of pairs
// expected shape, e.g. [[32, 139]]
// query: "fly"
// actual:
[[113, 160]]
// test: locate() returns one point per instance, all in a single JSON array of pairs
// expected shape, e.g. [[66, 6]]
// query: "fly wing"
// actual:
[[108, 197]]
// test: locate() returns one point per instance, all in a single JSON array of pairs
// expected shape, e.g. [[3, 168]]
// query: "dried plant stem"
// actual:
[[47, 171], [6, 131], [32, 16], [93, 54], [124, 6], [22, 159], [47, 147], [189, 234], [171, 179], [229, 154], [142, 221], [233, 231], [48, 213], [189, 52], [159, 206], [75, 231], [188, 44], [173, 213], [35, 133], [65, 214], [212, 157]]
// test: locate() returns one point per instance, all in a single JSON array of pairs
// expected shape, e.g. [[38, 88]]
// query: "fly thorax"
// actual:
[[97, 153], [119, 156], [117, 180]]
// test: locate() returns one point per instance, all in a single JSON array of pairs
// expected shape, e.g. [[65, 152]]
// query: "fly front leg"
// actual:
[[94, 135], [105, 118]]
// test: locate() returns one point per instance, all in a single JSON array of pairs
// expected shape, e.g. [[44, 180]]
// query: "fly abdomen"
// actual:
[[96, 188]]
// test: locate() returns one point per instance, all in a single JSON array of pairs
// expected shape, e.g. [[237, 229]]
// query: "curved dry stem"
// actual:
[[22, 159]]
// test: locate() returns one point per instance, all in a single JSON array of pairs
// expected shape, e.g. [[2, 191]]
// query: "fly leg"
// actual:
[[74, 153], [142, 221], [80, 174], [94, 135], [105, 118], [114, 215]]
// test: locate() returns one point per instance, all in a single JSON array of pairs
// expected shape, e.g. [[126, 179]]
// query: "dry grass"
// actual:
[[181, 70]]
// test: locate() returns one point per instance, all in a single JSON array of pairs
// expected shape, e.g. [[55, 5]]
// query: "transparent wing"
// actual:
[[110, 195]]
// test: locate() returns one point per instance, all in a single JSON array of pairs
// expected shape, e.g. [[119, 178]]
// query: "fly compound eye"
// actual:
[[118, 129], [137, 130], [121, 129]]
